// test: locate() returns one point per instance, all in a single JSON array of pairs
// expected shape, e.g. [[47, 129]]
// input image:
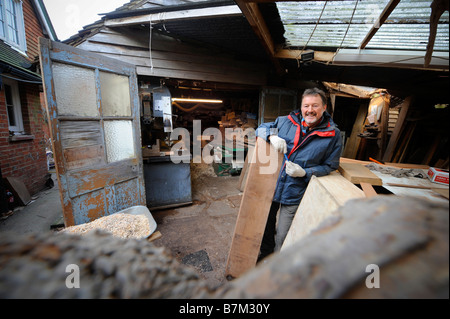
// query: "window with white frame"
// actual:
[[12, 26], [13, 106]]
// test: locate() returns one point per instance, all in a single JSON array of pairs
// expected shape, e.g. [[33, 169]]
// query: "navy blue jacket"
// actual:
[[317, 152]]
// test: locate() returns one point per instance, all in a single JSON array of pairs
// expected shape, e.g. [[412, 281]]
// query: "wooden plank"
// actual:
[[254, 210], [379, 22], [19, 190], [155, 236], [442, 191], [368, 189], [382, 142], [387, 157], [412, 182], [351, 148], [81, 157], [244, 173], [333, 190], [395, 165], [357, 173]]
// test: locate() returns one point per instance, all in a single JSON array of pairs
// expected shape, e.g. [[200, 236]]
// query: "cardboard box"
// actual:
[[437, 175]]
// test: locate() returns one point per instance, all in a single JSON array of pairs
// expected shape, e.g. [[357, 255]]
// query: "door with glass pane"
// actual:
[[93, 108]]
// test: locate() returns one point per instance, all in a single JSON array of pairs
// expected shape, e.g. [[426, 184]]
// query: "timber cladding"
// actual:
[[172, 58]]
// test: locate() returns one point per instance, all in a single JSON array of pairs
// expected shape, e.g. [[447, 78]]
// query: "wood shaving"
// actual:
[[119, 225]]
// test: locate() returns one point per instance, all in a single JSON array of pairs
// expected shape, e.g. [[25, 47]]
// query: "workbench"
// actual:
[[167, 184]]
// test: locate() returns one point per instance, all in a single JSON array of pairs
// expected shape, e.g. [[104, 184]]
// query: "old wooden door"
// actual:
[[93, 109]]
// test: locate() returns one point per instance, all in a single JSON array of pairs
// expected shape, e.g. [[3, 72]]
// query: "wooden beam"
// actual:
[[351, 148], [387, 157], [255, 19], [384, 123], [322, 56], [223, 11], [379, 22], [357, 174], [368, 190], [352, 90], [437, 9]]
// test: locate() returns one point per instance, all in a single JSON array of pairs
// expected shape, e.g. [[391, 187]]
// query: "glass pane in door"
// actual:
[[119, 140], [115, 94], [75, 89]]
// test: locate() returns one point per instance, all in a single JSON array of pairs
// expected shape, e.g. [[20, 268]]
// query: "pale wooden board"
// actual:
[[253, 212], [357, 173], [18, 188], [416, 193], [322, 198], [408, 181], [244, 173]]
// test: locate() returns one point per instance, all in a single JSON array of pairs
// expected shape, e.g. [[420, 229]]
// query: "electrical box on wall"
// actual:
[[162, 106]]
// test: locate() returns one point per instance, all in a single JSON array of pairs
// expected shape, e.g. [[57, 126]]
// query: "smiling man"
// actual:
[[312, 144]]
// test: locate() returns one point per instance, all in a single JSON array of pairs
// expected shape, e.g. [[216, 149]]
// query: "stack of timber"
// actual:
[[254, 210], [240, 125]]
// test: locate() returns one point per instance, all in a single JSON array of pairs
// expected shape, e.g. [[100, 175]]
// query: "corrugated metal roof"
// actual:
[[346, 23]]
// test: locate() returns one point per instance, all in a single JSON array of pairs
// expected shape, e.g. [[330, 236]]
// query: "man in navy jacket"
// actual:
[[312, 144]]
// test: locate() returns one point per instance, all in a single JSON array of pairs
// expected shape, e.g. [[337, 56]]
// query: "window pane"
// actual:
[[2, 21], [76, 92], [119, 140], [10, 105], [115, 94], [11, 19]]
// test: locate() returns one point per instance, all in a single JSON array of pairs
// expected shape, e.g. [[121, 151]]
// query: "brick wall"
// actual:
[[33, 29], [26, 160]]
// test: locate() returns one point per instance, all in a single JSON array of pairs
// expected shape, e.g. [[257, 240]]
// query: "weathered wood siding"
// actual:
[[172, 58]]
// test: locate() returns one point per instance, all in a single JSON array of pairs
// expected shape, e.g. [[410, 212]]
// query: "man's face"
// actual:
[[312, 109]]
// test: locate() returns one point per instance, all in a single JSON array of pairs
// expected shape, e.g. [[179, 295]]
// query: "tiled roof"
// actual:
[[14, 59]]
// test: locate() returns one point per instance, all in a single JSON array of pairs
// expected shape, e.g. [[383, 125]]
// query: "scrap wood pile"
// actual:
[[241, 121]]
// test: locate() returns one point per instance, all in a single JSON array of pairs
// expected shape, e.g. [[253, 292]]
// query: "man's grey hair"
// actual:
[[316, 91]]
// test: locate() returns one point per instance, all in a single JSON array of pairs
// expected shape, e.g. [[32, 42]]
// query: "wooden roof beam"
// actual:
[[379, 22], [321, 56], [437, 9], [256, 21], [224, 11], [259, 26]]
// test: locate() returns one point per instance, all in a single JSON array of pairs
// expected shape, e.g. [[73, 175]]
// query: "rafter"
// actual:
[[231, 10], [379, 22], [437, 9], [255, 19]]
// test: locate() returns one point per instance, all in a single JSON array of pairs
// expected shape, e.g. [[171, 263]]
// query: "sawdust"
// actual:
[[119, 225], [199, 170]]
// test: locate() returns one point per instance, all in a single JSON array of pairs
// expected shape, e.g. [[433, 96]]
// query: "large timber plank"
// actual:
[[252, 218], [357, 174], [322, 198]]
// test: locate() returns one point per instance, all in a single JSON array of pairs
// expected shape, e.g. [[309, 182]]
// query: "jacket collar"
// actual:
[[327, 121]]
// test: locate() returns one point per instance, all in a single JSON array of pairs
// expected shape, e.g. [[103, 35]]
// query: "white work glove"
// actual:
[[278, 144], [294, 170]]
